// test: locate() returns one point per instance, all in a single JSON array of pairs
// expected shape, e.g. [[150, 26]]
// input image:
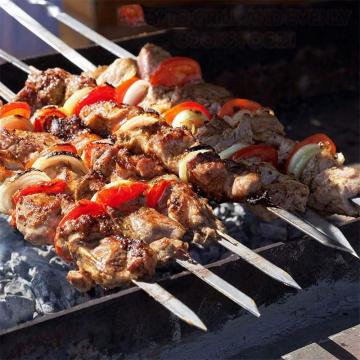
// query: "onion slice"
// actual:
[[230, 151], [138, 122], [184, 161], [190, 119], [60, 158], [302, 157], [136, 92], [74, 99], [16, 122], [18, 182]]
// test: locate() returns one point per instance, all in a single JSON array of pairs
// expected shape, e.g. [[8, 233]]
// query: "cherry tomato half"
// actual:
[[187, 105], [16, 108], [176, 71], [263, 152], [234, 105]]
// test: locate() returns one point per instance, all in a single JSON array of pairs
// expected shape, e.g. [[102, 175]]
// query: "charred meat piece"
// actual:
[[148, 225], [114, 260], [86, 230], [65, 128], [22, 146], [38, 215], [87, 185], [44, 88], [179, 202]]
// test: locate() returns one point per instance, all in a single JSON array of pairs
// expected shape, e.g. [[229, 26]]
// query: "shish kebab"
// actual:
[[149, 60], [71, 126], [44, 207], [76, 82], [56, 12], [13, 10], [320, 236]]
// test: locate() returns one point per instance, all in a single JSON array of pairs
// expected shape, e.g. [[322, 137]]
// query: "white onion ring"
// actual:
[[138, 122], [18, 182], [58, 158], [299, 160], [74, 99], [136, 92], [227, 153], [184, 161]]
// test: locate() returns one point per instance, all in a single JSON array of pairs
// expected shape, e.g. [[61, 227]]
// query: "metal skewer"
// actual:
[[55, 12], [356, 201], [15, 61], [6, 93], [35, 27]]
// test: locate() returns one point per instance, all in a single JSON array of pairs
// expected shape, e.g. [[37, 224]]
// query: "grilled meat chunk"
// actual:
[[148, 225], [87, 185], [38, 215], [209, 133], [21, 146], [180, 203], [85, 229], [114, 260], [167, 250], [44, 88], [65, 128], [116, 73], [332, 189], [103, 116], [149, 58], [77, 82]]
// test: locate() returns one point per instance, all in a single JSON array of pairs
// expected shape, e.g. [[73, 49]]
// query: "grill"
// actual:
[[128, 322]]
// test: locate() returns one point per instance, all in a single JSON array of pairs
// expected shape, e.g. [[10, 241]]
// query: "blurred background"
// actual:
[[299, 57]]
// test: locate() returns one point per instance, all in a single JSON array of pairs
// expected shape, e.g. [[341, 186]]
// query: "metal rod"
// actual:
[[35, 27], [220, 284], [55, 12], [310, 229], [6, 93], [330, 230], [15, 61], [256, 260], [356, 201], [170, 302]]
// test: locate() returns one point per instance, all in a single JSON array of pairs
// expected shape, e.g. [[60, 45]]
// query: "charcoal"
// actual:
[[15, 309], [19, 286]]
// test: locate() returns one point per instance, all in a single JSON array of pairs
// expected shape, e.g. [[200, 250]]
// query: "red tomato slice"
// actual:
[[82, 207], [313, 139], [176, 71], [263, 152], [234, 105], [156, 192], [44, 115], [16, 108], [62, 147], [117, 196], [100, 93], [48, 187], [121, 90], [187, 105]]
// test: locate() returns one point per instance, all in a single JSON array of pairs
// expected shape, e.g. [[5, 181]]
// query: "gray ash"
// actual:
[[33, 279]]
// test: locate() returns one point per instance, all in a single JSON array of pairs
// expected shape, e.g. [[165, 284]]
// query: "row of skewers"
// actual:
[[209, 141]]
